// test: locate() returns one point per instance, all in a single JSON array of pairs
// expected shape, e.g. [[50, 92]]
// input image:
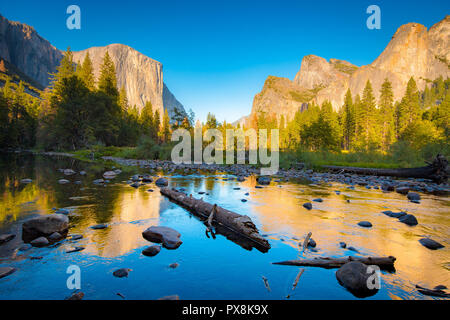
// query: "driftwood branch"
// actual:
[[330, 263], [239, 224], [436, 171]]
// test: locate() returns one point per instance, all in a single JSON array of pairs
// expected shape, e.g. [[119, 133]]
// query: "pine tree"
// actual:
[[86, 72], [107, 82], [409, 109], [123, 99], [66, 69], [386, 115], [368, 135], [348, 120], [147, 121], [165, 130]]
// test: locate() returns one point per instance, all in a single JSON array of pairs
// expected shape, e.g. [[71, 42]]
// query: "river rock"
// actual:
[[109, 175], [365, 224], [151, 251], [98, 181], [342, 244], [6, 237], [354, 277], [162, 182], [76, 249], [120, 273], [55, 236], [312, 243], [6, 271], [402, 190], [408, 219], [169, 237], [26, 181], [44, 226], [25, 247], [264, 180], [99, 226], [318, 200], [174, 265], [135, 185], [307, 205], [63, 181], [243, 200], [430, 244], [394, 214], [412, 196], [69, 172], [147, 179], [40, 242]]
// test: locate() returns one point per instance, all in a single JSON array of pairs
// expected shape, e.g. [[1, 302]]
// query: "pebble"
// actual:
[[120, 273], [151, 251], [307, 205], [365, 224]]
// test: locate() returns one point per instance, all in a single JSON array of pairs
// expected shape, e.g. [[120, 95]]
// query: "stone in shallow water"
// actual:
[[342, 244], [402, 190], [6, 238], [174, 265], [55, 236], [63, 181], [263, 180], [151, 251], [76, 296], [109, 175], [354, 276], [365, 224], [100, 226], [307, 205], [135, 185], [26, 181], [394, 214], [169, 237], [6, 271], [39, 242], [121, 273], [162, 182], [44, 226], [430, 244], [409, 219], [76, 249], [412, 196], [244, 200], [312, 243], [318, 200]]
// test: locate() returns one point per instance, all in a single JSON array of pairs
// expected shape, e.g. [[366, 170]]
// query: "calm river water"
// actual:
[[210, 268]]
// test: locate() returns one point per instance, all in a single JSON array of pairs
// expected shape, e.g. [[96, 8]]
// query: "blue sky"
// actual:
[[216, 54]]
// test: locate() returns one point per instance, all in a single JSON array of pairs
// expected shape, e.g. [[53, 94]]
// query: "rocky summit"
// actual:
[[141, 76], [413, 51]]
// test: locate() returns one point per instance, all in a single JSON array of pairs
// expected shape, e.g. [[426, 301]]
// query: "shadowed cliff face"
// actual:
[[21, 45], [141, 76], [413, 51]]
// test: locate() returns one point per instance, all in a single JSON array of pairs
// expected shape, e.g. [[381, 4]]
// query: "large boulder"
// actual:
[[169, 237], [354, 276], [6, 271], [44, 226]]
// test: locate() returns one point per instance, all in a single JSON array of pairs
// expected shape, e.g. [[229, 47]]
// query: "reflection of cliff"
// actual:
[[282, 215], [122, 236]]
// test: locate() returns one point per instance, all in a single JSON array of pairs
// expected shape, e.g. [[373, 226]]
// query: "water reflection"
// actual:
[[277, 211]]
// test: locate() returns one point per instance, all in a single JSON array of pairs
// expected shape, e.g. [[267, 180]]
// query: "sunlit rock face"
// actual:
[[141, 76], [413, 51], [22, 46]]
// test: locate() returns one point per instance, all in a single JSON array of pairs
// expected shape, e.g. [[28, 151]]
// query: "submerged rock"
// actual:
[[318, 200], [109, 175], [55, 236], [26, 181], [408, 219], [342, 244], [6, 238], [169, 237], [40, 242], [69, 172], [354, 276], [394, 214], [365, 224], [402, 190], [430, 244], [76, 249], [6, 271], [174, 265], [307, 205], [44, 226], [99, 226], [121, 273], [63, 181], [135, 185], [151, 251]]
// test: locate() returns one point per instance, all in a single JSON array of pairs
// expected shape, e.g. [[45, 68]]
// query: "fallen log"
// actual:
[[385, 263], [239, 224], [436, 171]]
